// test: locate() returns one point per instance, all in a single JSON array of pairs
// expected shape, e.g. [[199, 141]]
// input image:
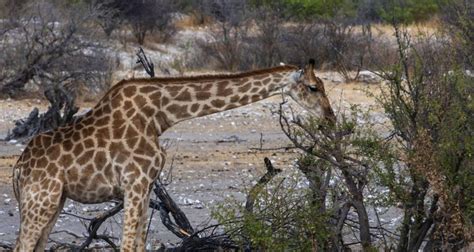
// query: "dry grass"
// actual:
[[428, 27], [192, 21]]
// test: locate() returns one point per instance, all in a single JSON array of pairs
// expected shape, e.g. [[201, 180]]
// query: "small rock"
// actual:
[[198, 206], [188, 202], [470, 73], [369, 77]]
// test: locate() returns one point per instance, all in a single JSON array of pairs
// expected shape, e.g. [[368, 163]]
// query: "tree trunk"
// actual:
[[357, 200], [364, 228]]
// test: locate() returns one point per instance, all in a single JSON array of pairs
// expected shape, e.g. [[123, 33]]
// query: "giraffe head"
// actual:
[[308, 91]]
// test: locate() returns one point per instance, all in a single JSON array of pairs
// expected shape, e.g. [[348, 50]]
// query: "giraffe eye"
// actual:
[[312, 88]]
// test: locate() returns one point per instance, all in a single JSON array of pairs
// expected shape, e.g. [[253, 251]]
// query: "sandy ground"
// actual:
[[211, 157]]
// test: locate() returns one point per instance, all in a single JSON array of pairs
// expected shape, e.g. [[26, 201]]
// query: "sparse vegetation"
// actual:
[[415, 159], [47, 46]]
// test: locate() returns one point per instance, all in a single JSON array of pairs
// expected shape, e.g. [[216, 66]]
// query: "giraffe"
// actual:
[[112, 152]]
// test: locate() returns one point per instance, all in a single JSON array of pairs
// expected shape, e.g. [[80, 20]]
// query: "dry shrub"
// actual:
[[344, 48], [49, 46], [223, 52], [193, 19]]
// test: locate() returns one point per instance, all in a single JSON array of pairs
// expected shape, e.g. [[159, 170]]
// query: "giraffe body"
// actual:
[[112, 152]]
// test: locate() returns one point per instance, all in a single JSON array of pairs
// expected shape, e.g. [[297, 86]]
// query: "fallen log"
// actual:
[[60, 112]]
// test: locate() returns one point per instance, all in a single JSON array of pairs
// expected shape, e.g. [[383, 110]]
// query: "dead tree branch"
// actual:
[[95, 224], [208, 239], [60, 112], [183, 227]]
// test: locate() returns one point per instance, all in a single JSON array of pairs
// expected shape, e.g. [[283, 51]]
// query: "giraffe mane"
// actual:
[[177, 80], [210, 76]]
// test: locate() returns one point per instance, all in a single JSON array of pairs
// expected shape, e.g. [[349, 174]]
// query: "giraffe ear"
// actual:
[[310, 67]]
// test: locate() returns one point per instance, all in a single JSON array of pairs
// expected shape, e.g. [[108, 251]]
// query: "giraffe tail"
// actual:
[[16, 180]]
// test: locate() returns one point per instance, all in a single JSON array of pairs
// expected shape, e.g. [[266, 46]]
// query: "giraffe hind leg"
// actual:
[[36, 215]]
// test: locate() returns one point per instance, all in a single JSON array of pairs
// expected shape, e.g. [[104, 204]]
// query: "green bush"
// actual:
[[310, 9], [282, 219], [428, 99], [407, 11], [400, 11]]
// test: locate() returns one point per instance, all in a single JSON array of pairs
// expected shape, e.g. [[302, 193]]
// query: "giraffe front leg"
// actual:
[[135, 203], [143, 226]]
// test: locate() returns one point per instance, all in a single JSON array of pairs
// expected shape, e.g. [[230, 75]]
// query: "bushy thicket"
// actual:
[[419, 166], [404, 11], [429, 105], [262, 35]]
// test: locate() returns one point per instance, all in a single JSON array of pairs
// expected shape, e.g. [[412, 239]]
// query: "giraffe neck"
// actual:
[[154, 105]]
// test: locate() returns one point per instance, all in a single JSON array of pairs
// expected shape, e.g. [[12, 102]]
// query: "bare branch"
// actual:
[[146, 63], [271, 172]]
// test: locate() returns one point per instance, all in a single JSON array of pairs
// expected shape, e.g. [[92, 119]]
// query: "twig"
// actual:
[[275, 148], [371, 227], [95, 224], [147, 64], [379, 224], [68, 232], [271, 172], [151, 219], [203, 240], [169, 175], [77, 216]]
